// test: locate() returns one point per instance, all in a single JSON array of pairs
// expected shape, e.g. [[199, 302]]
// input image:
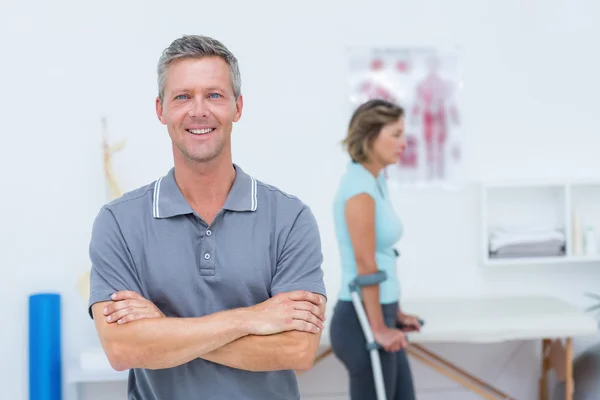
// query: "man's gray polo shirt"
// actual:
[[262, 243]]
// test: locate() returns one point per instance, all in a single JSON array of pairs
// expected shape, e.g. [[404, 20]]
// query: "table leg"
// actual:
[[545, 367], [560, 359], [569, 384], [457, 374]]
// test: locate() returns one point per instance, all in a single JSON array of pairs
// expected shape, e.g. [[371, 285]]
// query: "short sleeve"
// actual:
[[299, 266], [112, 264]]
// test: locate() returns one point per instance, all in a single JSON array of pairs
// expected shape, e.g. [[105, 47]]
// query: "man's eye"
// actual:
[[215, 95], [181, 97]]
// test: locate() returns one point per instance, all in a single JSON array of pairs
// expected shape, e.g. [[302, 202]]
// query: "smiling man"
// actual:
[[206, 283]]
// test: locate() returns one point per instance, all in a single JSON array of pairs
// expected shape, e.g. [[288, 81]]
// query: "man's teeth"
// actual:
[[201, 131]]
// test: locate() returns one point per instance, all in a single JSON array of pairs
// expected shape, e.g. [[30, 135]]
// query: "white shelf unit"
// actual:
[[552, 204]]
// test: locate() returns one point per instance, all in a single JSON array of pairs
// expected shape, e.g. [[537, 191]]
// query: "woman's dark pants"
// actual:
[[349, 345]]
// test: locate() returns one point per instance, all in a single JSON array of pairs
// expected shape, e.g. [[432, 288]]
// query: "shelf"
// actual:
[[543, 260], [528, 223], [93, 366], [77, 375]]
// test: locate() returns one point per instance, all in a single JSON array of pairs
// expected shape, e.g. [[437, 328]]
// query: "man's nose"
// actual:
[[199, 108]]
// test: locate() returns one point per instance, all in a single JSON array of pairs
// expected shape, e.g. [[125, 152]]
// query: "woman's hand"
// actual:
[[408, 323], [128, 306], [390, 339]]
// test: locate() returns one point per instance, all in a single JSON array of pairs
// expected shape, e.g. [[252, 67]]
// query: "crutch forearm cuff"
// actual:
[[367, 280]]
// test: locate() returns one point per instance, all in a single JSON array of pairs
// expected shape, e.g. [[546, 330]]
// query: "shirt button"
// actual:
[[208, 232], [207, 256]]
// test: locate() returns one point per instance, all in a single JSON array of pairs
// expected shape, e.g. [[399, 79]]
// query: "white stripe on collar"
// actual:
[[155, 209], [253, 194], [156, 198]]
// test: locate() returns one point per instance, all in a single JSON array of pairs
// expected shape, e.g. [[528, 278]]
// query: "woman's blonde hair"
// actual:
[[366, 124]]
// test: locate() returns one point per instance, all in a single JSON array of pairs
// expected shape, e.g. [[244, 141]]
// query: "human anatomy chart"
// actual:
[[427, 84]]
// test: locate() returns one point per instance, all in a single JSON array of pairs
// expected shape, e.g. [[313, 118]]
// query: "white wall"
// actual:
[[529, 105]]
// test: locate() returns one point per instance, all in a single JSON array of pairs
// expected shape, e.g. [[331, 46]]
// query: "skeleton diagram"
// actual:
[[83, 283], [433, 108], [113, 186]]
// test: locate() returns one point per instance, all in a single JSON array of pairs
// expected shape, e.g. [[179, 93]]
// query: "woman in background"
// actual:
[[367, 228]]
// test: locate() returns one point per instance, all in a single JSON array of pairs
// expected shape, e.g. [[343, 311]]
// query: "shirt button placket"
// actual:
[[208, 256]]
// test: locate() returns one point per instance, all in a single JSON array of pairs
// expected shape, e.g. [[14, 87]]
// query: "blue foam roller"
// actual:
[[45, 365]]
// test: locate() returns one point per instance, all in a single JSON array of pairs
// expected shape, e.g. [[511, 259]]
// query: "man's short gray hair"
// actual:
[[197, 46]]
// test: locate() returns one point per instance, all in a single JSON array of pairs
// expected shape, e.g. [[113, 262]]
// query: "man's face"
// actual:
[[199, 108]]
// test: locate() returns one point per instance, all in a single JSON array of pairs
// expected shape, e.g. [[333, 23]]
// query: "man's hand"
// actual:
[[299, 310], [129, 306], [408, 323]]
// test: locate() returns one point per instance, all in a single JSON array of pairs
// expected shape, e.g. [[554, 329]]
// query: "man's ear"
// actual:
[[239, 105], [159, 111]]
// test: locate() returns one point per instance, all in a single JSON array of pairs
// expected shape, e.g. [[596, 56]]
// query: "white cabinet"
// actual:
[[540, 222]]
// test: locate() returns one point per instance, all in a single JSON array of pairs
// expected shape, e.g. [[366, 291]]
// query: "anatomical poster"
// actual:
[[426, 83]]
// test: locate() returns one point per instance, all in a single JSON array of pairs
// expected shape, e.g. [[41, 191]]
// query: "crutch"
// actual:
[[372, 346]]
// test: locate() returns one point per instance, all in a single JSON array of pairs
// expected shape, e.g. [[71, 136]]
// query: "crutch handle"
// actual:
[[401, 326]]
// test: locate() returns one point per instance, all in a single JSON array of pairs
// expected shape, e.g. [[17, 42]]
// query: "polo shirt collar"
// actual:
[[242, 196], [168, 201]]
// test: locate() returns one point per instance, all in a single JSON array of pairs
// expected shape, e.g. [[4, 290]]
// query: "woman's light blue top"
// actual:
[[388, 230]]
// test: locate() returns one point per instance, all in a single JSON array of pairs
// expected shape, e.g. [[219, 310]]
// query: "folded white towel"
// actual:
[[502, 237], [542, 249]]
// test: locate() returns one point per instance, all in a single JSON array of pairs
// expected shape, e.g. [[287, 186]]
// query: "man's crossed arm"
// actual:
[[279, 334]]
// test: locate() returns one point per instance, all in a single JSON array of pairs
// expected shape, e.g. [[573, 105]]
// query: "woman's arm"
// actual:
[[360, 220]]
